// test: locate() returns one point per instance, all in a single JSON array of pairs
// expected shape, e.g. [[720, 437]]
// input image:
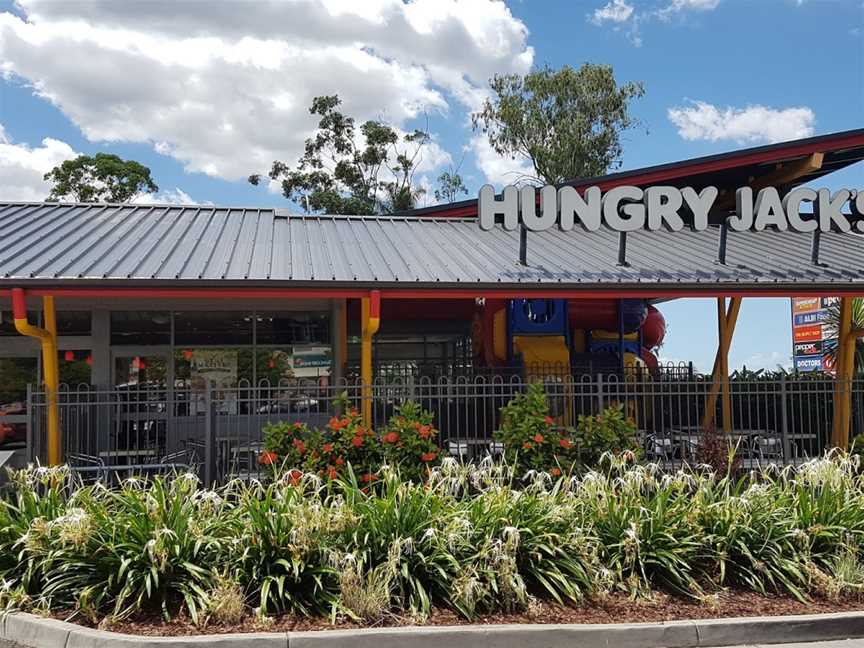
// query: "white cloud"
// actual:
[[22, 167], [497, 169], [625, 18], [769, 361], [225, 90], [703, 121], [174, 196], [616, 11], [680, 6]]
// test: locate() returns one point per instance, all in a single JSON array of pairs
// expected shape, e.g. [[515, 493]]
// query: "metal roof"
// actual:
[[74, 244]]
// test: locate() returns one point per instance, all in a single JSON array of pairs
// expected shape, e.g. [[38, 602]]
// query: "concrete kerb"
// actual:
[[37, 632]]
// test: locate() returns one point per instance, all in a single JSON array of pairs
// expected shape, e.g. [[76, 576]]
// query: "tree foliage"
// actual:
[[346, 169], [450, 184], [566, 122], [103, 177], [832, 329]]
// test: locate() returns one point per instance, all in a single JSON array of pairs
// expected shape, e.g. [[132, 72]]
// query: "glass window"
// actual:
[[73, 323], [212, 328], [195, 367], [292, 328], [140, 327], [273, 366], [74, 368], [15, 374], [7, 322]]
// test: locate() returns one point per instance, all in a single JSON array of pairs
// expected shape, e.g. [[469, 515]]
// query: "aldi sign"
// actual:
[[816, 317]]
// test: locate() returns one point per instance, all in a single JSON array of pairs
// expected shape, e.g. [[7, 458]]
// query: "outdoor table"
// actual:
[[114, 470]]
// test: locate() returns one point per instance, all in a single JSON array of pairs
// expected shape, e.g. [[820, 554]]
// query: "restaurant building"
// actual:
[[189, 312]]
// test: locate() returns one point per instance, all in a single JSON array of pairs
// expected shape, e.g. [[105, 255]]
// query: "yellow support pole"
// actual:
[[726, 321], [48, 340], [845, 361], [370, 313]]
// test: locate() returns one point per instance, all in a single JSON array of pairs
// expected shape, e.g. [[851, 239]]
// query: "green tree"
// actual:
[[450, 184], [566, 122], [832, 328], [103, 177], [349, 170]]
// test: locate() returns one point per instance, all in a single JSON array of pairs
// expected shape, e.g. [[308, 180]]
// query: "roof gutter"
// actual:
[[463, 291]]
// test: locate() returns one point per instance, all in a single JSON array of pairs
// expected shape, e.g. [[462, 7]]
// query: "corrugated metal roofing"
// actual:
[[53, 243]]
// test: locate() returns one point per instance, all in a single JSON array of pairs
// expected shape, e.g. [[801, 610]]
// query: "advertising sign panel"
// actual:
[[810, 333], [809, 337]]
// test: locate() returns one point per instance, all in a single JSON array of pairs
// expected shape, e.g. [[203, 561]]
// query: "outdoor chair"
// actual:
[[658, 448], [88, 468]]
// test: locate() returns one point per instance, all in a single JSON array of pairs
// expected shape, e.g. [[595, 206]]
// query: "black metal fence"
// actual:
[[218, 432]]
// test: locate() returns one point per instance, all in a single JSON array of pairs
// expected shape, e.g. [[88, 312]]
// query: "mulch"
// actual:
[[613, 609]]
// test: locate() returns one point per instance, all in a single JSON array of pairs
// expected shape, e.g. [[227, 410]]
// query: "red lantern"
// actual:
[[187, 354], [69, 356], [89, 360]]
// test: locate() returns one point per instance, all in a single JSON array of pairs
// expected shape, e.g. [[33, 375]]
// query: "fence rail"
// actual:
[[218, 432]]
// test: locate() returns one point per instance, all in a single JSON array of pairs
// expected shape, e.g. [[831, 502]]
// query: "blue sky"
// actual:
[[739, 73]]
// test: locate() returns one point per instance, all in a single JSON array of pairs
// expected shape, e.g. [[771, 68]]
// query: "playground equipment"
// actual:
[[539, 335]]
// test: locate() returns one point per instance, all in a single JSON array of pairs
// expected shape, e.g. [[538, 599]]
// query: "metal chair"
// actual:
[[88, 468]]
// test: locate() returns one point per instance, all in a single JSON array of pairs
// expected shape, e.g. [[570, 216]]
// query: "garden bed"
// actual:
[[614, 609]]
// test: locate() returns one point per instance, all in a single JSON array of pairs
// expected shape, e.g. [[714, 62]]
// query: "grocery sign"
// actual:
[[809, 336]]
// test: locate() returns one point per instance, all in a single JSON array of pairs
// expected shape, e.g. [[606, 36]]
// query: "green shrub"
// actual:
[[530, 436], [609, 431]]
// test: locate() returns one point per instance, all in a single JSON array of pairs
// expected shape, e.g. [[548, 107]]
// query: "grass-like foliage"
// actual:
[[475, 539]]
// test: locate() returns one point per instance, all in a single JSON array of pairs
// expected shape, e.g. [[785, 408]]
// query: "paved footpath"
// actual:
[[846, 643]]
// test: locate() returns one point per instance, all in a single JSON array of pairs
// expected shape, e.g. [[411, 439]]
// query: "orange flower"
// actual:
[[425, 431], [549, 420], [268, 458], [527, 445], [339, 461], [299, 446], [294, 475], [565, 443], [415, 425], [555, 472], [391, 437], [298, 425], [428, 456], [357, 441], [538, 438], [328, 447], [368, 477], [331, 472], [333, 423], [353, 412]]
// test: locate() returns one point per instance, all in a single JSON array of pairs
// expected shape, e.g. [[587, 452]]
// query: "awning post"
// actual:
[[726, 321], [370, 313], [845, 364], [48, 340]]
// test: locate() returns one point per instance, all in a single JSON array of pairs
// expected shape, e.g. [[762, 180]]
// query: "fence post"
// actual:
[[599, 393], [784, 421], [209, 436], [31, 421]]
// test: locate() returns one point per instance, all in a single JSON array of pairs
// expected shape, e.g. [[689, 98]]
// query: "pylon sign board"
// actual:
[[810, 336]]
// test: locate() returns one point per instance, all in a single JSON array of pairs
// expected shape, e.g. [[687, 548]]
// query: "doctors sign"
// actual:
[[627, 209]]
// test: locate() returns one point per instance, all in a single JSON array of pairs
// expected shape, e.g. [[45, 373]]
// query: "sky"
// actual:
[[207, 93]]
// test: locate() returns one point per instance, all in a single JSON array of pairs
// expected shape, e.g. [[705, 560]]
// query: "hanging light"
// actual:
[[89, 360], [187, 354], [136, 362], [69, 356]]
